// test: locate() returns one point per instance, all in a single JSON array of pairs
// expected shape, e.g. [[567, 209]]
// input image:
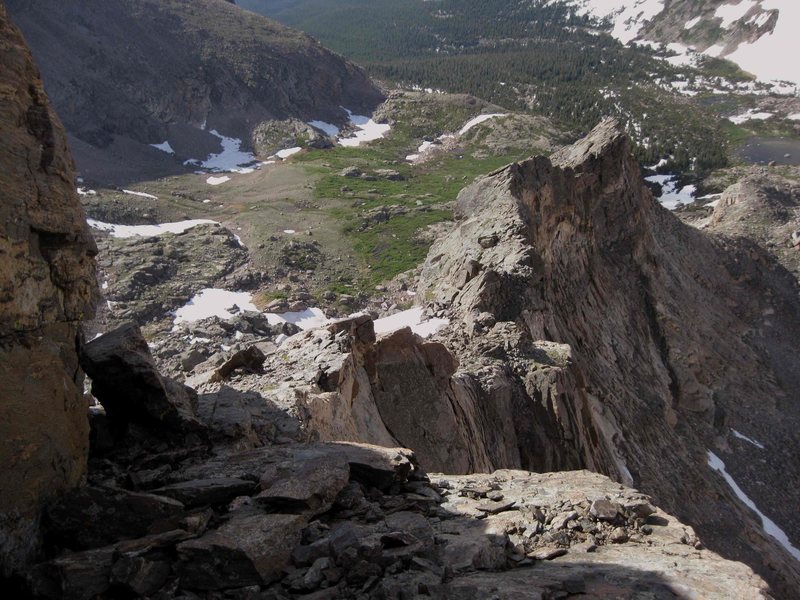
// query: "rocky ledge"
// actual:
[[178, 508]]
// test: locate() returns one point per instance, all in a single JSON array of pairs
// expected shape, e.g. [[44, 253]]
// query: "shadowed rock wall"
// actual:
[[47, 285]]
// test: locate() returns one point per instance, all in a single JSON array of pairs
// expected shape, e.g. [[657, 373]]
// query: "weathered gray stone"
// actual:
[[98, 516], [252, 548], [307, 484], [604, 509], [200, 492]]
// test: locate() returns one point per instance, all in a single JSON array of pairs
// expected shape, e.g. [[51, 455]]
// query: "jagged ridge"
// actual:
[[676, 337]]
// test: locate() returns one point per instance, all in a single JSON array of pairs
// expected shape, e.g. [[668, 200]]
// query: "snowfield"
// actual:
[[774, 56], [671, 195], [769, 58], [220, 303], [127, 231], [368, 130], [140, 194], [327, 128]]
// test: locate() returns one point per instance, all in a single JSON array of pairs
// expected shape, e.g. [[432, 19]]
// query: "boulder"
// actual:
[[200, 492], [87, 575], [98, 516], [250, 359], [252, 548], [304, 484], [127, 383], [351, 172], [389, 174]]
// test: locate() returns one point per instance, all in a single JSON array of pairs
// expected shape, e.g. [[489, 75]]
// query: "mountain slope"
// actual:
[[126, 74], [754, 34]]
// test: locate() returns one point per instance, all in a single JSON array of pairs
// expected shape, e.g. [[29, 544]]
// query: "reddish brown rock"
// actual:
[[47, 285]]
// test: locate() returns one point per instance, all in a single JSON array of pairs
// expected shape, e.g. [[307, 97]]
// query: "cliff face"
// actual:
[[677, 339], [47, 285], [228, 70]]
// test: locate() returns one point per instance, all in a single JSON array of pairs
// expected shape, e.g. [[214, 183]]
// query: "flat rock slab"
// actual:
[[97, 516], [304, 484], [200, 492], [371, 465], [252, 548]]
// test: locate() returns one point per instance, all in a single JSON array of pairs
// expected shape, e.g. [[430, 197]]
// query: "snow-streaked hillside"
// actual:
[[758, 35], [628, 16]]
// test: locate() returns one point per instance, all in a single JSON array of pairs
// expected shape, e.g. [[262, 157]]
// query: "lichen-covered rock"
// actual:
[[47, 286]]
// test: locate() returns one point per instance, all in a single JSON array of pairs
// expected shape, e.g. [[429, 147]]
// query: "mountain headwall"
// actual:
[[680, 343], [47, 285], [129, 73]]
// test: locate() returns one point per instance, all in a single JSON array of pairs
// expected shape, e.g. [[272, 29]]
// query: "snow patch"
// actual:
[[741, 436], [307, 319], [730, 13], [327, 128], [283, 154], [658, 165], [770, 528], [794, 117], [217, 180], [164, 147], [85, 192], [412, 318], [671, 195], [425, 146], [714, 51], [692, 23], [368, 130], [289, 231], [140, 194], [232, 158], [750, 115], [477, 121], [127, 231], [212, 302], [627, 20]]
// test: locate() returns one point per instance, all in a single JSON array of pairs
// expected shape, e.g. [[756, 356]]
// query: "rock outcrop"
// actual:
[[347, 520], [47, 285], [400, 389], [680, 343], [229, 71], [763, 207], [147, 278]]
